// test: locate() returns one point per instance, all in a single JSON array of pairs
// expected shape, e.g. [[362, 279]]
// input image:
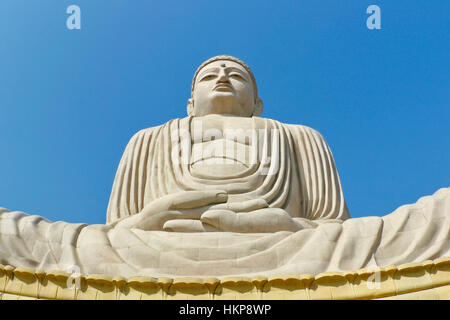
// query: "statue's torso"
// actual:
[[223, 146], [283, 164]]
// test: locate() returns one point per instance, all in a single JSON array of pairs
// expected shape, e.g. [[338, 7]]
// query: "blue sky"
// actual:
[[71, 99]]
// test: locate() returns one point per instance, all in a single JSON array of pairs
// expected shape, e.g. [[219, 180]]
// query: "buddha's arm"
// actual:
[[128, 190], [320, 187]]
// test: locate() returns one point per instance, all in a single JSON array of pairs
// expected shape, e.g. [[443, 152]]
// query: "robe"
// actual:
[[304, 182], [412, 233], [296, 171]]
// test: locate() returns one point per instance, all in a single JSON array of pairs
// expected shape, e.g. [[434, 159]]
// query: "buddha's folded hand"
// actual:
[[261, 220], [256, 221], [200, 225], [184, 205]]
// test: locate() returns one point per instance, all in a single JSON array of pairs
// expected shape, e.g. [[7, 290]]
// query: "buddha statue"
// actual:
[[226, 192], [226, 168]]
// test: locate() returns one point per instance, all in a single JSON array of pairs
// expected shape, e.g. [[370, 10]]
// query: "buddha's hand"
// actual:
[[265, 220], [186, 205], [192, 225]]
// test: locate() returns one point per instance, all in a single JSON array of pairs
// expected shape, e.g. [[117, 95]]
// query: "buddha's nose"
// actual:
[[223, 76]]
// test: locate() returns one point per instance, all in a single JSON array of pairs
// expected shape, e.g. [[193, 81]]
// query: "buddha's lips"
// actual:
[[223, 86]]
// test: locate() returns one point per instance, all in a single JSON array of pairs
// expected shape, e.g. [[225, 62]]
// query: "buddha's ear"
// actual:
[[258, 108], [190, 107]]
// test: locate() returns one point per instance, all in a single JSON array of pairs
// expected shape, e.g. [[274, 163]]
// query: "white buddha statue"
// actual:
[[225, 192], [223, 168]]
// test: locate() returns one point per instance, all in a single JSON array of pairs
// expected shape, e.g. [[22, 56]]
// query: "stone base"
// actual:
[[426, 280]]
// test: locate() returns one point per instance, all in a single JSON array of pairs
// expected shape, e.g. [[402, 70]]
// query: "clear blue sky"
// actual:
[[71, 99]]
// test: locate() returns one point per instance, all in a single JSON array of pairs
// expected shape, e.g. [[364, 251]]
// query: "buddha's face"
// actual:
[[223, 87]]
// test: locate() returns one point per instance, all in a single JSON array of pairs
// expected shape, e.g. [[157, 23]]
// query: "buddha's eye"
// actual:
[[236, 76], [208, 77]]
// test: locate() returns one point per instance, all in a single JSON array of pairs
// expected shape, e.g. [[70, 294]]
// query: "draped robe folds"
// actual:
[[305, 184], [295, 171]]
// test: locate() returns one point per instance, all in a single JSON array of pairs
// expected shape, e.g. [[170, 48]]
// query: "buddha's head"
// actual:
[[224, 85]]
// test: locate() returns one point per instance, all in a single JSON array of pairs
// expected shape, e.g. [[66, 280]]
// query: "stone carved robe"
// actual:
[[296, 171], [412, 233]]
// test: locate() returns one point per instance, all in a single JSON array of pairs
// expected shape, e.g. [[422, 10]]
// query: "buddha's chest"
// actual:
[[211, 128], [223, 147]]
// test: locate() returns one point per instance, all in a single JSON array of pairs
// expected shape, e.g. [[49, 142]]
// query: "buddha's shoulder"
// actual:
[[152, 130], [299, 128], [148, 130]]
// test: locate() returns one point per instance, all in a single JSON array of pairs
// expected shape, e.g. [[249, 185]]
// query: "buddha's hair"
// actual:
[[229, 58]]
